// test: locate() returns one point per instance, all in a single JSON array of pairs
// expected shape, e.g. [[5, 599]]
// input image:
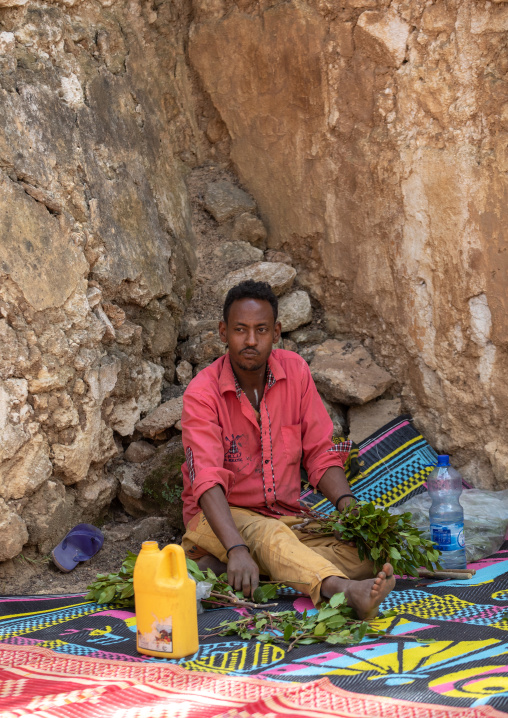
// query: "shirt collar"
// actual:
[[229, 382]]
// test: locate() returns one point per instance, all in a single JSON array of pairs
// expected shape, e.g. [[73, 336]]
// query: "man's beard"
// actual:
[[256, 367]]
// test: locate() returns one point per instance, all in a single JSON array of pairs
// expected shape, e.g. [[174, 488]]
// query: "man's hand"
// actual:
[[243, 573]]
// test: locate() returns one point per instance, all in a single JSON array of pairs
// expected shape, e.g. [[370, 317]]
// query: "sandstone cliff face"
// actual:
[[373, 135], [96, 250]]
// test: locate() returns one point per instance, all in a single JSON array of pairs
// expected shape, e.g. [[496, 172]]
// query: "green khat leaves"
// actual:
[[381, 537]]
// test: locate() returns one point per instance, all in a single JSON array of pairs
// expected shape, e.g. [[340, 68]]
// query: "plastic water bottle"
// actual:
[[446, 514]]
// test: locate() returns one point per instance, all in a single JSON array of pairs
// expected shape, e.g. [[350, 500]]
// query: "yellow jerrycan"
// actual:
[[165, 598]]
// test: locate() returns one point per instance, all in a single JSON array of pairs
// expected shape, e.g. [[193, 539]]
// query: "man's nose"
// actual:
[[251, 338]]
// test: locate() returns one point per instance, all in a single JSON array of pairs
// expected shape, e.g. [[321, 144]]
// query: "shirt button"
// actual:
[[267, 461], [269, 490]]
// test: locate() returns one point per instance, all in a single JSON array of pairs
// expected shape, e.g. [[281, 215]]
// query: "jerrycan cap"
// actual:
[[150, 546], [443, 460]]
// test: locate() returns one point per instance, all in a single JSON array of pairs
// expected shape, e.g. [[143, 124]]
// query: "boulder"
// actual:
[[124, 416], [184, 372], [498, 457], [382, 35], [346, 373], [47, 380], [172, 391], [202, 348], [437, 18], [275, 255], [307, 352], [309, 335], [238, 252], [294, 310], [140, 530], [27, 470], [93, 296], [48, 268], [139, 451], [94, 495], [115, 314], [365, 420], [289, 345], [93, 444], [485, 19], [224, 201], [7, 42], [13, 531], [337, 417], [191, 326], [248, 228], [150, 385], [155, 486], [279, 276], [49, 515], [163, 417], [204, 364]]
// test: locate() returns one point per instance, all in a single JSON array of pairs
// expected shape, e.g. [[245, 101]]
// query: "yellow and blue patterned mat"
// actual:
[[447, 643], [390, 466]]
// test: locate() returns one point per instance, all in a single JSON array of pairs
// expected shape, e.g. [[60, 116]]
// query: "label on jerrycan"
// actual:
[[160, 637]]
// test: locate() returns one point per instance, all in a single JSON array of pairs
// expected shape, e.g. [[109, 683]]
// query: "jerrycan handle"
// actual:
[[173, 566]]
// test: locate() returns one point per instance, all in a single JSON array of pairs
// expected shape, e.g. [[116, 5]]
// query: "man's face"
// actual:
[[250, 332]]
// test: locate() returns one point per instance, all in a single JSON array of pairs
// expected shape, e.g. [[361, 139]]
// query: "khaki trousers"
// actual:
[[285, 554]]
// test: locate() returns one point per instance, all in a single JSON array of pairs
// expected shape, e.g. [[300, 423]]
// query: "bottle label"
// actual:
[[448, 537], [160, 638]]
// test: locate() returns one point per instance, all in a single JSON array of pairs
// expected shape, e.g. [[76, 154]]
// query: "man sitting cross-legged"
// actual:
[[248, 419]]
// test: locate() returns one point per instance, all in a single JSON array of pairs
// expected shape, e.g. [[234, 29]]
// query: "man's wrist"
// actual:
[[344, 500], [236, 546]]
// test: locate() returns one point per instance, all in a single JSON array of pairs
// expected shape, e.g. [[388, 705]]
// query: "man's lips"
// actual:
[[249, 353]]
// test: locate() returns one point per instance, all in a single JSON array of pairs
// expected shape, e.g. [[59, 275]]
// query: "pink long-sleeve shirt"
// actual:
[[257, 465]]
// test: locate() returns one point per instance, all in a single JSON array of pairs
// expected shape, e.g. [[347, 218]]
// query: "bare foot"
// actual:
[[363, 596], [212, 562]]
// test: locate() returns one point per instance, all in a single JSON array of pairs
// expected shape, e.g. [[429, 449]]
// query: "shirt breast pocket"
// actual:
[[292, 439]]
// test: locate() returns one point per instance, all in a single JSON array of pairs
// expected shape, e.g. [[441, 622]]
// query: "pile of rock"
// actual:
[[96, 416], [348, 379]]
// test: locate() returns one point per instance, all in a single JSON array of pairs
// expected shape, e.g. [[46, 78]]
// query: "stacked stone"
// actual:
[[348, 379]]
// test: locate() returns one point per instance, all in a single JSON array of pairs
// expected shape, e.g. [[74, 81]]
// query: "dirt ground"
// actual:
[[33, 574]]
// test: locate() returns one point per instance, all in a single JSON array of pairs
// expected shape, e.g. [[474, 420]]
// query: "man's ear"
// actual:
[[276, 332], [222, 331]]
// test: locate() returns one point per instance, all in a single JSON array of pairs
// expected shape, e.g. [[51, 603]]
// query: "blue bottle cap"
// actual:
[[443, 460]]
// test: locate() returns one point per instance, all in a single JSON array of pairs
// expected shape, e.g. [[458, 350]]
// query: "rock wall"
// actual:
[[373, 135], [96, 252]]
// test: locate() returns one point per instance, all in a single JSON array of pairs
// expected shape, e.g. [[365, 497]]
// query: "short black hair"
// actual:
[[249, 289]]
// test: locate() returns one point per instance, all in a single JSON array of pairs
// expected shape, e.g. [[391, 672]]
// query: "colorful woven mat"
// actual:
[[39, 683], [448, 643], [394, 463]]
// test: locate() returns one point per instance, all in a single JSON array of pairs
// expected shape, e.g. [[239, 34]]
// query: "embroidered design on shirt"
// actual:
[[233, 453], [189, 457]]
